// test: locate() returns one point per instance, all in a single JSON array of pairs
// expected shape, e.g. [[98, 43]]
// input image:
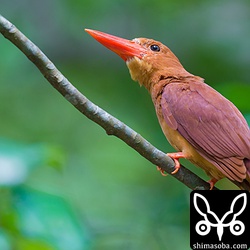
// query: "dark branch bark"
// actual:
[[112, 125]]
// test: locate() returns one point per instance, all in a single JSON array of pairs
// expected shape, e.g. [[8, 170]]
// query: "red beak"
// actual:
[[123, 47]]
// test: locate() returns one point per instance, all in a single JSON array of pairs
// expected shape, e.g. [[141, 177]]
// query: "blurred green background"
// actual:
[[64, 183]]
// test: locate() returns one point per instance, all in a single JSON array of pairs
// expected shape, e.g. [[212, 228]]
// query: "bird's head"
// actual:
[[148, 61]]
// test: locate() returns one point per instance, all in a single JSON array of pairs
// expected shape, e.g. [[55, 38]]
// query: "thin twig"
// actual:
[[111, 125]]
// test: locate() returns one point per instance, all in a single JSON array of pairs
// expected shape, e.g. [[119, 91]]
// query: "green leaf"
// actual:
[[17, 160], [50, 218]]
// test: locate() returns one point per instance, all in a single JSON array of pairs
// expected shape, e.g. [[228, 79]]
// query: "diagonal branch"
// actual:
[[112, 125]]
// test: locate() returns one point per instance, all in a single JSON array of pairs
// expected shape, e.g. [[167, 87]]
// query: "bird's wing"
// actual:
[[210, 123]]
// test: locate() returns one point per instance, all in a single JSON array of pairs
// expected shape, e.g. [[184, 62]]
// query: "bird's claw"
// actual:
[[177, 166], [162, 171]]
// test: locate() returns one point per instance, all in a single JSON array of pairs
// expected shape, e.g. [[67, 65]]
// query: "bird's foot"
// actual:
[[212, 183], [175, 157]]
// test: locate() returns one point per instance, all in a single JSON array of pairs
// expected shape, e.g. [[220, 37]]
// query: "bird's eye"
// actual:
[[155, 47]]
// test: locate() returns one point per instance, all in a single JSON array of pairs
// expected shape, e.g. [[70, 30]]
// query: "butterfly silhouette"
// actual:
[[203, 227]]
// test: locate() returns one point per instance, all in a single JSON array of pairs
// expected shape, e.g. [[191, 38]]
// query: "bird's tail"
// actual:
[[247, 164], [245, 185]]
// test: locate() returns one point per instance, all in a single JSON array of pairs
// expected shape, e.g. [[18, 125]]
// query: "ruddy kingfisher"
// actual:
[[201, 124]]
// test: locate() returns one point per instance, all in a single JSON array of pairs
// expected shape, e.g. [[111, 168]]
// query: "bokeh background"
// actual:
[[65, 184]]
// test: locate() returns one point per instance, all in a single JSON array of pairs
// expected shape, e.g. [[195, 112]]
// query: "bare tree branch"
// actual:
[[112, 125]]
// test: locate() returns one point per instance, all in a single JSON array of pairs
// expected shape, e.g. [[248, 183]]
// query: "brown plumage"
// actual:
[[199, 122]]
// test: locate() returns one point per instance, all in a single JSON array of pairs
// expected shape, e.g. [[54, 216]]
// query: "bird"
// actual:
[[202, 125]]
